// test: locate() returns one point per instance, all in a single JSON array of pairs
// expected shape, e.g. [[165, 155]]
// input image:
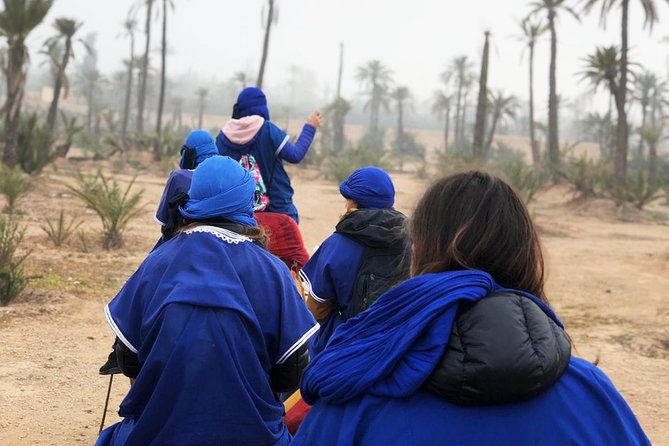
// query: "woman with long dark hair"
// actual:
[[467, 351]]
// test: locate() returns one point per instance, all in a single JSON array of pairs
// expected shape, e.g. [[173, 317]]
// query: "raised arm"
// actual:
[[294, 153]]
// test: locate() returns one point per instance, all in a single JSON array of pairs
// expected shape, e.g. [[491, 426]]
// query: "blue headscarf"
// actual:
[[221, 188], [251, 101], [370, 187], [390, 349], [203, 144]]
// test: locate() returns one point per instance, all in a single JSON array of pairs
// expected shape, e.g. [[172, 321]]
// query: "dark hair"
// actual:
[[474, 220]]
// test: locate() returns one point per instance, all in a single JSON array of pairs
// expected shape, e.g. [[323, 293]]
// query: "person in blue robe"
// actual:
[[216, 323], [250, 137], [467, 351], [336, 277], [198, 146]]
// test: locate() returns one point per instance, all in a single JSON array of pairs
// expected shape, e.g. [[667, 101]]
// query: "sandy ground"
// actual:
[[608, 280]]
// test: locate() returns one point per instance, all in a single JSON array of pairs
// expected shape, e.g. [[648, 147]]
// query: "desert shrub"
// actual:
[[59, 231], [35, 148], [405, 147], [339, 168], [453, 161], [502, 155], [526, 180], [83, 241], [584, 176], [114, 206], [12, 277], [13, 184], [638, 189]]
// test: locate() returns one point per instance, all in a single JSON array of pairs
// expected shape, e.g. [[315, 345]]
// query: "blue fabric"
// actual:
[[209, 314], [203, 143], [582, 409], [294, 153], [390, 349], [221, 188], [251, 101], [263, 148], [370, 187], [332, 271], [178, 182]]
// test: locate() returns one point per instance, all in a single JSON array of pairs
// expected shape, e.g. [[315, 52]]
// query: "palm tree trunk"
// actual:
[[652, 159], [128, 88], [141, 100], [16, 77], [265, 46], [478, 147], [622, 133], [458, 111], [446, 128], [536, 155], [338, 131], [161, 96], [58, 85], [644, 112], [553, 130], [463, 119]]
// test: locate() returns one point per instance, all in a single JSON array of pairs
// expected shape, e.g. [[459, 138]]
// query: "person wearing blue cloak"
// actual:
[[216, 324], [467, 351], [261, 147], [365, 257], [198, 146]]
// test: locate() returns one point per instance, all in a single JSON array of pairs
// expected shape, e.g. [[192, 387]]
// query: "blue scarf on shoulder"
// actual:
[[392, 348]]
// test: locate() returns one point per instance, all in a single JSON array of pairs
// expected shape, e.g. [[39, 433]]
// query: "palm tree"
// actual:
[[459, 69], [401, 96], [478, 147], [442, 107], [501, 107], [163, 74], [650, 18], [602, 67], [89, 79], [141, 100], [130, 27], [17, 21], [271, 17], [644, 87], [338, 109], [202, 103], [552, 9], [65, 29], [378, 78], [652, 135], [599, 127], [532, 31]]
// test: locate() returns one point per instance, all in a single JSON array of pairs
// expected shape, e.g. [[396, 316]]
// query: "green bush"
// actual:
[[114, 206], [35, 148], [638, 189], [584, 176], [352, 158], [12, 278], [13, 184], [60, 231], [527, 181]]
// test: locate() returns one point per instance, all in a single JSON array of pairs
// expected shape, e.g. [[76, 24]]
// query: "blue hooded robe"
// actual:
[[367, 385], [208, 314]]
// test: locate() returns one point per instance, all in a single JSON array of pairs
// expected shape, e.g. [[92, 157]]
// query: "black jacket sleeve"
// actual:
[[127, 360], [285, 377]]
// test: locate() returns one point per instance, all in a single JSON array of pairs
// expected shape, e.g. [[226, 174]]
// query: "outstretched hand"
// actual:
[[314, 119]]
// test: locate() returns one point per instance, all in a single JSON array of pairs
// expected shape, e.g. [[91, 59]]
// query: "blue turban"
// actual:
[[203, 143], [251, 101], [221, 188], [370, 187]]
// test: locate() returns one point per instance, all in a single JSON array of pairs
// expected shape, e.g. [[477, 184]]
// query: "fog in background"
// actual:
[[209, 40]]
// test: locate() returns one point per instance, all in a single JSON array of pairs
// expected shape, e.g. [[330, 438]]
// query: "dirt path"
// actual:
[[608, 281]]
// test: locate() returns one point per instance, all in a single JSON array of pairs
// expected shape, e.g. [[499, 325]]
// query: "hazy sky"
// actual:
[[416, 39]]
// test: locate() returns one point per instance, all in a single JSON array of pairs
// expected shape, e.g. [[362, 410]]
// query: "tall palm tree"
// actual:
[[401, 96], [338, 109], [442, 107], [650, 18], [177, 105], [479, 148], [532, 30], [141, 99], [552, 9], [17, 21], [501, 107], [377, 78], [270, 18], [458, 70], [163, 73], [65, 31], [602, 67], [130, 27], [645, 84], [202, 103]]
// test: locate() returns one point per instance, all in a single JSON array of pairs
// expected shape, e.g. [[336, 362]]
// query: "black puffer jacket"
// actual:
[[503, 348]]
